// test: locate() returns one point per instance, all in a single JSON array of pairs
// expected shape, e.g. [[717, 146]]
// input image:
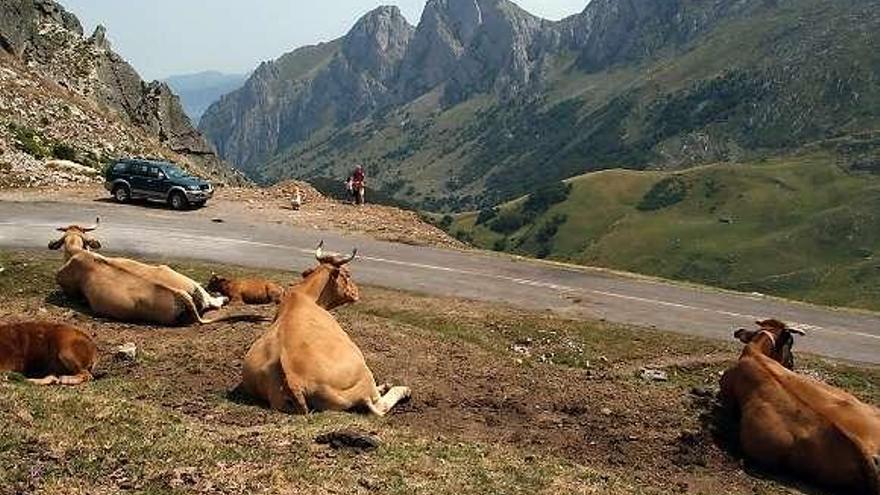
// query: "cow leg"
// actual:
[[78, 379], [282, 399], [49, 380], [384, 388], [389, 400]]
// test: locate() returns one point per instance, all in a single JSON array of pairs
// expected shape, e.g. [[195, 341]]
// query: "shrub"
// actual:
[[64, 152], [465, 237], [668, 192], [486, 215], [549, 230], [29, 141], [545, 197], [500, 244], [508, 222], [446, 221]]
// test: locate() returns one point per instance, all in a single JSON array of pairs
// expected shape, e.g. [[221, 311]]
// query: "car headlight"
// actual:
[[193, 188]]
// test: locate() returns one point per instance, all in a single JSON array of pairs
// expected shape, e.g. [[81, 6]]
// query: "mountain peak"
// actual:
[[378, 41]]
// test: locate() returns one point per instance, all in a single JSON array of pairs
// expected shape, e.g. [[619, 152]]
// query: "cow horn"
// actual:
[[94, 227], [797, 331], [320, 256], [348, 259]]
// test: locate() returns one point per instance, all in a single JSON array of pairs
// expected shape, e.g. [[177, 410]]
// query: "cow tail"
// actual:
[[190, 306]]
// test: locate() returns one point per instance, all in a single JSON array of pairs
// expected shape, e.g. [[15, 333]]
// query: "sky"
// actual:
[[171, 37]]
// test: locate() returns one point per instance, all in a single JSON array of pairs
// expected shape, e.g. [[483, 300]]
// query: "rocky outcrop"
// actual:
[[612, 32], [20, 21], [49, 41]]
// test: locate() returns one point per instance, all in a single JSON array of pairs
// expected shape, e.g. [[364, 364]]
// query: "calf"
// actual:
[[794, 423], [246, 291], [47, 353]]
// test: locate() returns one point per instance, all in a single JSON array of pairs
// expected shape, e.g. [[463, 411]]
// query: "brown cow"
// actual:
[[792, 422], [246, 291], [47, 353], [128, 290], [306, 362]]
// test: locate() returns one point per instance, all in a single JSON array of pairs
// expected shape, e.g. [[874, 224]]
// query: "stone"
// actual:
[[349, 439], [654, 375], [126, 352]]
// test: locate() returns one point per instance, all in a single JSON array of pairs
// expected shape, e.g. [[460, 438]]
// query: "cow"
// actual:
[[47, 353], [306, 362], [128, 290], [794, 423], [246, 291]]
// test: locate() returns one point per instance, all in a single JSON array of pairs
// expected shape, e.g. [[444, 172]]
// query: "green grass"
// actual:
[[803, 227]]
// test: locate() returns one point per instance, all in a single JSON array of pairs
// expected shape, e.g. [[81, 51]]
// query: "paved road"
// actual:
[[571, 291]]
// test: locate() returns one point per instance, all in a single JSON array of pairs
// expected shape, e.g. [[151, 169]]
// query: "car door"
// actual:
[[162, 183], [138, 174], [155, 182]]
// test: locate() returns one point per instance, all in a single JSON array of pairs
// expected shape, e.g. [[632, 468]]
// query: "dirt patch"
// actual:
[[273, 205]]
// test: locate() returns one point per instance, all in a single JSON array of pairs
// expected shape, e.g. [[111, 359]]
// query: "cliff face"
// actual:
[[49, 41], [334, 84]]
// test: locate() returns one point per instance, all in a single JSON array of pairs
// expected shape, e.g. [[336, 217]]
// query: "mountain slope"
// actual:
[[200, 90], [489, 101], [45, 52]]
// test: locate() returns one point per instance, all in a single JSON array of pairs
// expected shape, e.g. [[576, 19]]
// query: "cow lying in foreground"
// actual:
[[306, 362], [128, 290], [47, 353], [794, 423], [246, 291]]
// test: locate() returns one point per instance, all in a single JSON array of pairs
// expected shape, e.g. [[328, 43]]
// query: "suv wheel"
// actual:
[[178, 201], [121, 194]]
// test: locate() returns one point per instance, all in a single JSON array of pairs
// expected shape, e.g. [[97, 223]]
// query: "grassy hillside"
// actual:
[[804, 227]]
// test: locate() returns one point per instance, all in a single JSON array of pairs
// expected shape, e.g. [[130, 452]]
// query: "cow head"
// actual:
[[774, 338], [76, 238], [339, 288], [216, 284]]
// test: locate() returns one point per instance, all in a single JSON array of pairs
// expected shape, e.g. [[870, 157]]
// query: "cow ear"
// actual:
[[55, 245], [93, 244], [743, 335]]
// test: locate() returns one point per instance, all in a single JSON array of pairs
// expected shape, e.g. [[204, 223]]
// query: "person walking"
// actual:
[[358, 181]]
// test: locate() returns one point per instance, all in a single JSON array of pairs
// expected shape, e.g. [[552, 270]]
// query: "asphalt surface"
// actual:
[[572, 291]]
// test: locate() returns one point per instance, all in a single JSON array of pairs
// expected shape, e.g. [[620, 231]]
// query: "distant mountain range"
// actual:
[[482, 101], [198, 91]]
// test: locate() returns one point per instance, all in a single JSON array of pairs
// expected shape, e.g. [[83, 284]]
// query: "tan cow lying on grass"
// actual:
[[306, 362], [246, 291], [47, 353], [128, 290], [794, 423]]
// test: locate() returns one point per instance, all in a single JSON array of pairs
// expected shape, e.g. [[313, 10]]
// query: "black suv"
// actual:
[[156, 180]]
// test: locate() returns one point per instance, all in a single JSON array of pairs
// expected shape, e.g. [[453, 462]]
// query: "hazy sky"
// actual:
[[166, 37]]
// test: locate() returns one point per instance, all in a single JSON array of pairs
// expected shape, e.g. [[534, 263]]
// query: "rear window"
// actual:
[[120, 167]]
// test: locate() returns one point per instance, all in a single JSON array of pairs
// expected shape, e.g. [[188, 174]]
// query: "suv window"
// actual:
[[141, 170], [153, 173], [120, 167]]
